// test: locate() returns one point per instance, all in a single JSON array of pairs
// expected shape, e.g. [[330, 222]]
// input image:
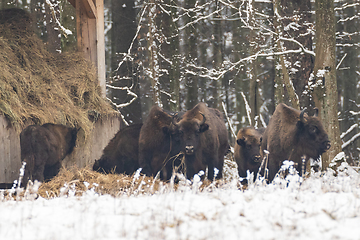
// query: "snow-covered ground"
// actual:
[[322, 207]]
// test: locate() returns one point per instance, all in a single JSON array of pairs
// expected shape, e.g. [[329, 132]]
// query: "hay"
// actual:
[[82, 180], [79, 181], [41, 87]]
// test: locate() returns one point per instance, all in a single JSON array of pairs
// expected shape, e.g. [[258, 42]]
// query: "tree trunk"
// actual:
[[297, 14], [325, 84], [122, 35], [347, 83], [217, 60], [286, 81], [191, 56], [253, 93], [52, 29], [153, 53], [175, 66]]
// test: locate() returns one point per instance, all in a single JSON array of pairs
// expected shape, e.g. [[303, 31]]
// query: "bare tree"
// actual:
[[324, 83], [123, 85], [174, 58], [191, 55]]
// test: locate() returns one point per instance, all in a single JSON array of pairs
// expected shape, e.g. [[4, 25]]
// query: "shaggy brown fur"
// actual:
[[158, 146], [291, 134], [204, 140], [121, 154], [43, 148], [247, 150]]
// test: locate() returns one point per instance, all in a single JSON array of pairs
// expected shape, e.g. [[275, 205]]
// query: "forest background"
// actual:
[[242, 57]]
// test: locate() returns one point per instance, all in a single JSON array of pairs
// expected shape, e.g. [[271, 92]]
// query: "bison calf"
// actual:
[[43, 148], [121, 154], [247, 151], [292, 134]]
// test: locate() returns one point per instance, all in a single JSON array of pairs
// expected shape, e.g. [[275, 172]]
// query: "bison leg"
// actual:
[[26, 177], [211, 165], [211, 171], [220, 166], [38, 173], [190, 172], [144, 162], [272, 170]]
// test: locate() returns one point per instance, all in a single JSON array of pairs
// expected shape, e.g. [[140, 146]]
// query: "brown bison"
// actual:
[[247, 150], [121, 153], [43, 148], [292, 134], [204, 140], [159, 143]]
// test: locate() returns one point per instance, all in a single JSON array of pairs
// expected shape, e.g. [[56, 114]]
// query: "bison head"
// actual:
[[189, 131], [313, 134], [251, 148], [172, 130], [104, 166]]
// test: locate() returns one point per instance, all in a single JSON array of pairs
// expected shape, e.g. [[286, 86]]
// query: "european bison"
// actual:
[[43, 148], [204, 140], [121, 153], [247, 150], [159, 146], [292, 134]]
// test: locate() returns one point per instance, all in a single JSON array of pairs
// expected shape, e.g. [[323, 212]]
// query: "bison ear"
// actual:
[[204, 127], [241, 142]]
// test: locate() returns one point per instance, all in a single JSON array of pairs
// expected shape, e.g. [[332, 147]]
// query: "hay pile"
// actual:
[[81, 180], [42, 87], [78, 181]]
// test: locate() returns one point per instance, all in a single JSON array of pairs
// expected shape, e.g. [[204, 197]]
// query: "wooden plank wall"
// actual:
[[90, 34], [83, 155], [10, 162]]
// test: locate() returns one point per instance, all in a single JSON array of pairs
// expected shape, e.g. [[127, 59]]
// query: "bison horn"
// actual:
[[316, 113], [174, 120], [302, 115], [204, 119]]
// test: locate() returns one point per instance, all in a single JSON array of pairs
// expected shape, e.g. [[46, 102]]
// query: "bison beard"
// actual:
[[121, 153], [204, 140], [43, 148], [292, 134], [159, 146], [247, 151]]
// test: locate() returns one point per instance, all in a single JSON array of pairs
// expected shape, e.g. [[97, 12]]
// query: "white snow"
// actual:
[[322, 207]]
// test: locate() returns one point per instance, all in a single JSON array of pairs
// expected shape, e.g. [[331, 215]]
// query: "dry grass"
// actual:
[[81, 180], [37, 86]]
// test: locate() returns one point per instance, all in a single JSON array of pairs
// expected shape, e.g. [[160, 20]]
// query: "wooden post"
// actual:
[[101, 45], [90, 34]]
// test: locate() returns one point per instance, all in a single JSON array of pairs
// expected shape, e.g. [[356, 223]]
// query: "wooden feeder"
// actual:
[[91, 41], [90, 34]]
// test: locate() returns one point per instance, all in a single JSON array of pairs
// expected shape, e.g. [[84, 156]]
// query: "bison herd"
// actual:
[[186, 142]]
